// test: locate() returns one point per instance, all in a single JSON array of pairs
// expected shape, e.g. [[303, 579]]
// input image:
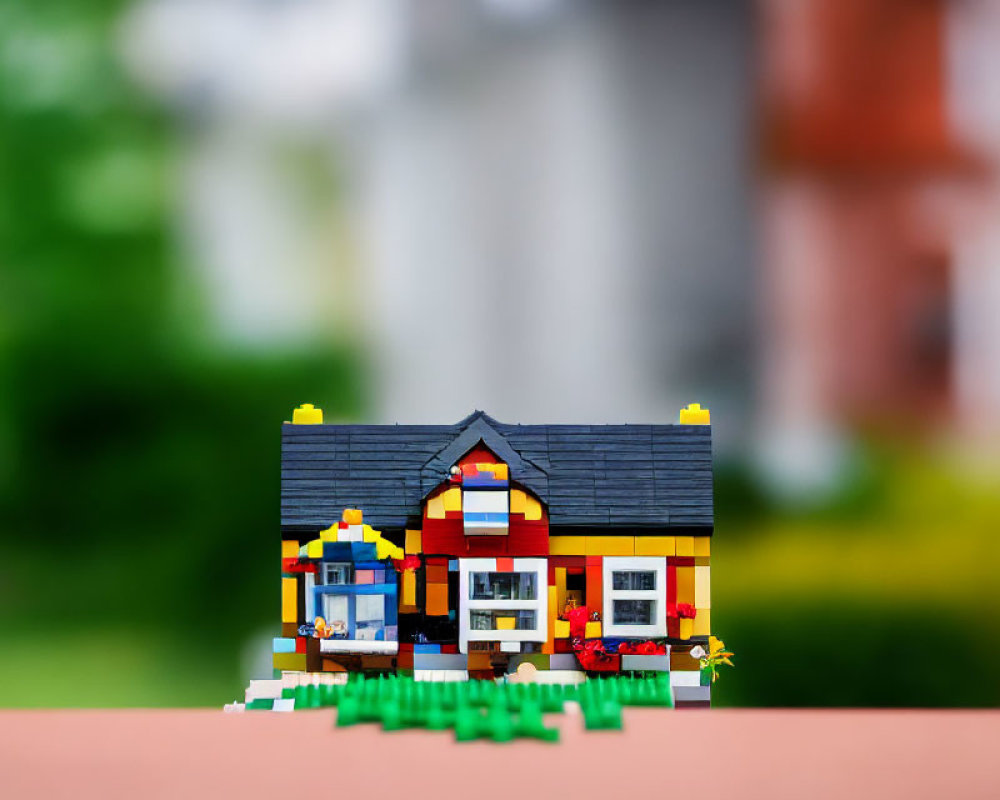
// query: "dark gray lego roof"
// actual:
[[619, 476]]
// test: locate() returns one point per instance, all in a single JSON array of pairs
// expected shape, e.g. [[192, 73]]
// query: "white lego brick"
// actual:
[[686, 678], [486, 528], [284, 704], [290, 679], [563, 676], [310, 597], [355, 533], [231, 708], [477, 564], [485, 502], [357, 646], [264, 690], [510, 647], [440, 675]]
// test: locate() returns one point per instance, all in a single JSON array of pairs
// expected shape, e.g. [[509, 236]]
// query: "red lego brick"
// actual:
[[505, 564], [300, 644], [567, 561], [527, 544], [671, 596], [528, 538], [480, 454], [486, 546], [445, 536], [292, 566]]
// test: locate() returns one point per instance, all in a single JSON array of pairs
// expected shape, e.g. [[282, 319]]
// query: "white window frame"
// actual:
[[540, 605], [657, 564]]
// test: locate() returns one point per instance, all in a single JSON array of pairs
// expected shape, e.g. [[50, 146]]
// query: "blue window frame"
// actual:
[[364, 617]]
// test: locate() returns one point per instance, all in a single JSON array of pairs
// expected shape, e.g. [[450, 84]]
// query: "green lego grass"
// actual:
[[479, 709]]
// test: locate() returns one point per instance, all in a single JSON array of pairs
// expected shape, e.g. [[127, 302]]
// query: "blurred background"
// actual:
[[402, 210]]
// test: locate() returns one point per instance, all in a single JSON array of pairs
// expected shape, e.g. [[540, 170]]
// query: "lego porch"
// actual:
[[547, 381]]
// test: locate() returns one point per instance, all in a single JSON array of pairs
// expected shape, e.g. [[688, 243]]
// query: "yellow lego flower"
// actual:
[[717, 654]]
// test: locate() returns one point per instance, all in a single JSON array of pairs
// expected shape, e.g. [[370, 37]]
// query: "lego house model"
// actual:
[[484, 550]]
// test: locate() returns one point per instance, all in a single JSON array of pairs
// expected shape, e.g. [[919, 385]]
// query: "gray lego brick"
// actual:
[[655, 663], [564, 661], [689, 694], [440, 661]]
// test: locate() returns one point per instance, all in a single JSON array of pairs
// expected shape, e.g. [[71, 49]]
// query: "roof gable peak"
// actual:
[[480, 427], [473, 417]]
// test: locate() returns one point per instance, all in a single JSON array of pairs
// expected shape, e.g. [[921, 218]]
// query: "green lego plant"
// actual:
[[716, 655]]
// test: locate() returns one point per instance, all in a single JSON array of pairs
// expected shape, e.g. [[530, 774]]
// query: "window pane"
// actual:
[[369, 616], [503, 586], [370, 608], [335, 611], [337, 574], [634, 580], [634, 612], [487, 620]]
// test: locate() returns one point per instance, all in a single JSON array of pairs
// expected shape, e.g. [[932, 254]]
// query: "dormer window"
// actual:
[[485, 512], [485, 499]]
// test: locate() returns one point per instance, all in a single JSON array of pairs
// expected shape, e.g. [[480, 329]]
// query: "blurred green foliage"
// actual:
[[138, 457], [880, 596]]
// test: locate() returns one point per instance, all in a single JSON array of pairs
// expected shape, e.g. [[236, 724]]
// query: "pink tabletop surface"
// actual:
[[684, 754]]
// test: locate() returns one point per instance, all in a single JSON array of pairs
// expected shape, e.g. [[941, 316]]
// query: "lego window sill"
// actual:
[[357, 646]]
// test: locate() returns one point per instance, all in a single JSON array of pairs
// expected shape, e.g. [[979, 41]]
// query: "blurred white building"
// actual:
[[536, 208]]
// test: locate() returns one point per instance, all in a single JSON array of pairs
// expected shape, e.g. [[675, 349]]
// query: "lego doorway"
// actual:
[[576, 589]]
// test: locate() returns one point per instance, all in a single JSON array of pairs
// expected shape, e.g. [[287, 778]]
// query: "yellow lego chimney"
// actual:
[[308, 414], [694, 414]]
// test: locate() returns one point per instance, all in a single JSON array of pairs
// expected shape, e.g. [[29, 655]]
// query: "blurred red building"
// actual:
[[860, 166]]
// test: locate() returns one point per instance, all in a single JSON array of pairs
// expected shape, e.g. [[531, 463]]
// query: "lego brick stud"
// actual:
[[308, 414], [694, 414]]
